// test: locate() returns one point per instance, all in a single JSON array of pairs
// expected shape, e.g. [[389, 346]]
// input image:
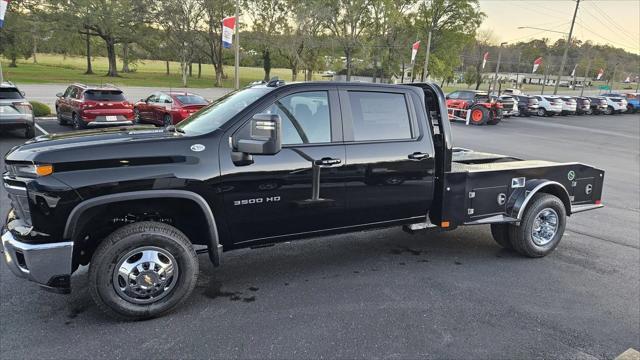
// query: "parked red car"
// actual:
[[88, 106], [167, 108]]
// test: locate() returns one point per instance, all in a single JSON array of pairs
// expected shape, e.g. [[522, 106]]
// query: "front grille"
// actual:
[[18, 197]]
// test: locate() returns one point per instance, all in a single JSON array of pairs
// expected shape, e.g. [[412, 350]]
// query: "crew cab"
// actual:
[[263, 165], [549, 105], [90, 106], [477, 106], [168, 108]]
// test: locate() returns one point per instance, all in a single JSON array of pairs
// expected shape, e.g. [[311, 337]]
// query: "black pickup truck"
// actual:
[[266, 164]]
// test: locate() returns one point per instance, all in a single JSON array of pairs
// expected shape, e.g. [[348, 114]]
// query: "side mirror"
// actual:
[[59, 95], [143, 100], [264, 138]]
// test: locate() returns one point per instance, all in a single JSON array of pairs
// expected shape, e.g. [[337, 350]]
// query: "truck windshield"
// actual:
[[220, 111]]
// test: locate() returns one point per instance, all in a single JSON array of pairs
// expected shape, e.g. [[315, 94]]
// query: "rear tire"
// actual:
[[541, 227], [78, 124], [500, 233], [541, 112], [479, 115], [136, 116], [157, 249], [609, 110]]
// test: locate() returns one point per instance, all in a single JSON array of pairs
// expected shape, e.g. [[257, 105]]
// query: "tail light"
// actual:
[[88, 105], [23, 107], [127, 105]]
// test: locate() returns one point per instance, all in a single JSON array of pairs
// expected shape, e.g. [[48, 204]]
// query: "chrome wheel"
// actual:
[[545, 227], [145, 275]]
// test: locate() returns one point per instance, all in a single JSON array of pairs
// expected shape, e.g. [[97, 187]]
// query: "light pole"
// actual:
[[236, 78], [495, 76]]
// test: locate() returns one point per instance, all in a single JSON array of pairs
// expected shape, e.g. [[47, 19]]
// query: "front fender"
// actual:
[[214, 246]]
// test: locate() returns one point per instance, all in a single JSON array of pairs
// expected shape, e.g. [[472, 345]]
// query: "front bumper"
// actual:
[[49, 265]]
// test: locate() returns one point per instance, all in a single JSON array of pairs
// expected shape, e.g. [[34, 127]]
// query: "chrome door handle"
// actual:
[[327, 162], [418, 156]]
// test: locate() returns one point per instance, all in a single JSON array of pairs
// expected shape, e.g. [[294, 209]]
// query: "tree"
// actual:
[[180, 19], [269, 19], [347, 20], [449, 20], [113, 21], [16, 39]]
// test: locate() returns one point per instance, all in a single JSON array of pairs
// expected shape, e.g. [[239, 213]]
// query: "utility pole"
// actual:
[[426, 59], [236, 79], [518, 68], [495, 76], [613, 77], [566, 49], [586, 75]]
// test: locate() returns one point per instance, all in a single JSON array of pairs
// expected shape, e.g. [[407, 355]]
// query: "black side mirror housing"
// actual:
[[265, 136]]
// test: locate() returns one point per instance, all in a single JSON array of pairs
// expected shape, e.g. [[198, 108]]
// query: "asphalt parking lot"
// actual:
[[388, 294]]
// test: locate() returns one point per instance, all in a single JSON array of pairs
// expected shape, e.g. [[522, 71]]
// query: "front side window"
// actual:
[[454, 95], [379, 116], [305, 117]]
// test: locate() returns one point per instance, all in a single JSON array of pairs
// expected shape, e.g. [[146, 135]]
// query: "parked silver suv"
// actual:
[[15, 110]]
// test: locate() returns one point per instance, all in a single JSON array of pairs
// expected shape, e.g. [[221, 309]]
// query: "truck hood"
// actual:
[[87, 144]]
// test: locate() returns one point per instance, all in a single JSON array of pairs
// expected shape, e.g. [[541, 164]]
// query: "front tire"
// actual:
[[166, 120], [609, 110], [541, 112], [61, 120], [541, 227], [143, 270]]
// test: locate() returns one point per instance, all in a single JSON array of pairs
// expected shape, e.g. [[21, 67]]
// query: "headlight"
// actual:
[[34, 170]]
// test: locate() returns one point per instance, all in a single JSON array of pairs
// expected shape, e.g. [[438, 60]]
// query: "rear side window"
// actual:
[[379, 116], [10, 93], [104, 95]]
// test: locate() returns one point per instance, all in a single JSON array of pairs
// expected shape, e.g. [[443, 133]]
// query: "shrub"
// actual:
[[40, 109]]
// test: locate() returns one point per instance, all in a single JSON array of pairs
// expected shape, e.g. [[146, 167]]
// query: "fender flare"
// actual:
[[535, 186], [214, 246]]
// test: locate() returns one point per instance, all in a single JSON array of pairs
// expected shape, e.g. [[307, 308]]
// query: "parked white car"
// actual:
[[569, 105], [615, 104], [549, 105]]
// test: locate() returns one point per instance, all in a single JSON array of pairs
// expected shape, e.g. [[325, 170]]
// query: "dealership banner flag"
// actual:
[[536, 64], [228, 26], [485, 57], [573, 72], [600, 73], [414, 51], [3, 9]]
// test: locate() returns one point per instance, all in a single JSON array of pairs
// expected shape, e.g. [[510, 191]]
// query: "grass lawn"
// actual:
[[53, 68]]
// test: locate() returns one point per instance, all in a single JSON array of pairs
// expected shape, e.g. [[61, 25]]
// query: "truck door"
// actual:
[[389, 153], [273, 196]]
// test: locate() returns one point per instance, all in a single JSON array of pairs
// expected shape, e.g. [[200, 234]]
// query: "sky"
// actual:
[[611, 22]]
